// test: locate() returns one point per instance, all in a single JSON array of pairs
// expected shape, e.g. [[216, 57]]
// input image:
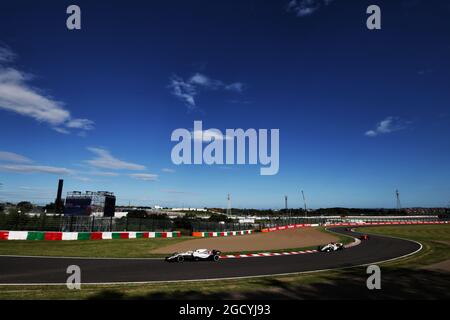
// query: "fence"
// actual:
[[23, 222], [282, 221], [81, 223], [219, 227]]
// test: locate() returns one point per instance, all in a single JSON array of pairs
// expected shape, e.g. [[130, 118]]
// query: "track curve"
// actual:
[[47, 270]]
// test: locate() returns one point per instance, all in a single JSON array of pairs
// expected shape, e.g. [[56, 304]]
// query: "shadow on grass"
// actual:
[[349, 284]]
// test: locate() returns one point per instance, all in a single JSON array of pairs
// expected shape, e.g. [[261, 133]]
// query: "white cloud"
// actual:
[[144, 176], [202, 80], [20, 164], [304, 8], [184, 91], [167, 170], [28, 193], [13, 157], [83, 179], [34, 169], [6, 55], [388, 125], [103, 173], [236, 87], [16, 95], [187, 90], [61, 130], [371, 133], [105, 160], [84, 124]]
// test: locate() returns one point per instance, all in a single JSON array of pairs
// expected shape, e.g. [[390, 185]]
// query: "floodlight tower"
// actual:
[[397, 196], [304, 201], [228, 205]]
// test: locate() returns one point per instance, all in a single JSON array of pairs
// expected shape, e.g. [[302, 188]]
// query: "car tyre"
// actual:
[[180, 259], [216, 258]]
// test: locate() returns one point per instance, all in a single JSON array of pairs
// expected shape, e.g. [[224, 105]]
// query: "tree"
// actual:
[[182, 223], [18, 219], [155, 216], [25, 206], [50, 207], [137, 214], [217, 217]]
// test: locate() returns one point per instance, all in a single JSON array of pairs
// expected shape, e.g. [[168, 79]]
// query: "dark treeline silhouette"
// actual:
[[337, 211]]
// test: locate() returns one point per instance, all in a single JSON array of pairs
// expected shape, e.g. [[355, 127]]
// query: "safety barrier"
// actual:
[[290, 226], [359, 224], [221, 234], [352, 224], [51, 236]]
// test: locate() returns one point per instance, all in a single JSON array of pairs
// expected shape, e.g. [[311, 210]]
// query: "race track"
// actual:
[[36, 270]]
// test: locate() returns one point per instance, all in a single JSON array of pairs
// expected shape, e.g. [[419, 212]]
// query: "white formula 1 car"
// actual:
[[333, 246], [195, 255]]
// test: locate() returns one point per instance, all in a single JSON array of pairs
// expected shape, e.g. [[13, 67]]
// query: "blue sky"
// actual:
[[360, 112]]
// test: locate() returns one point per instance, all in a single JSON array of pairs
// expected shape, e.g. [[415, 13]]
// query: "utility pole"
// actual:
[[287, 212], [397, 195], [229, 205], [304, 202]]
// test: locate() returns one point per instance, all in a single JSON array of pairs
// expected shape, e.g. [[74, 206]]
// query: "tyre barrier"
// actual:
[[52, 236], [221, 233]]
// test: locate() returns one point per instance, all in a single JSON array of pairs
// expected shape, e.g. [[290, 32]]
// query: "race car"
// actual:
[[195, 255], [333, 246], [364, 237]]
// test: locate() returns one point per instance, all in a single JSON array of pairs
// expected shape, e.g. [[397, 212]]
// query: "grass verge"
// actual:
[[125, 248], [403, 279], [435, 240]]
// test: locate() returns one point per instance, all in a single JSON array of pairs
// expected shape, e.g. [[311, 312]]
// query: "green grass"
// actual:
[[435, 240], [403, 279], [176, 290], [120, 248]]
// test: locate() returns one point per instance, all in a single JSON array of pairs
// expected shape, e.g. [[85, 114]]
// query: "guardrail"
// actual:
[[290, 226], [60, 223], [361, 224]]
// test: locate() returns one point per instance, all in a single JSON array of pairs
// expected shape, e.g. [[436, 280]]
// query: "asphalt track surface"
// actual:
[[45, 270]]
